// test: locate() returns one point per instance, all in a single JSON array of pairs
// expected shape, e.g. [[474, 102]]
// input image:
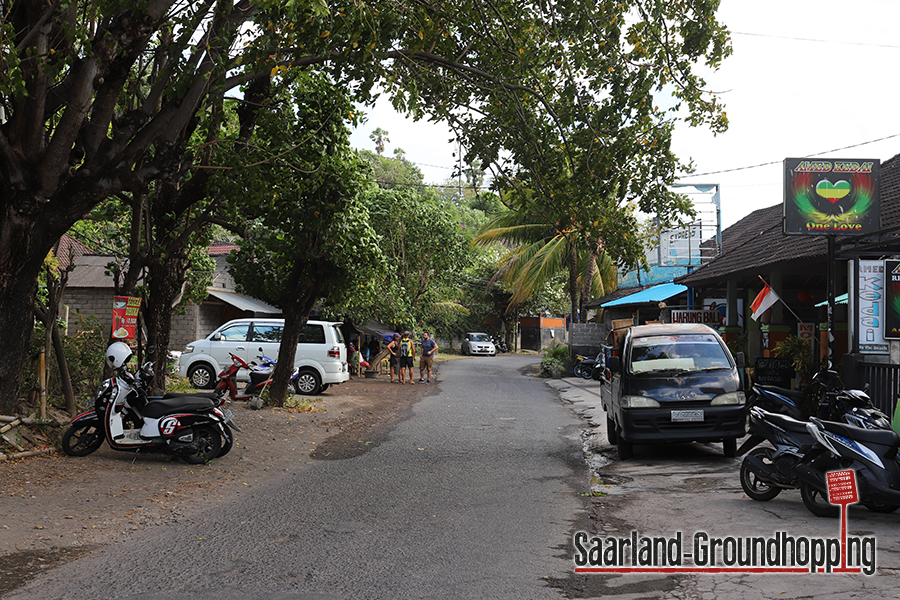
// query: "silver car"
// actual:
[[478, 344]]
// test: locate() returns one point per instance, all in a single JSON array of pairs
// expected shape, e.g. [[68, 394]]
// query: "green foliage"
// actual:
[[310, 236], [84, 351], [553, 363], [798, 351]]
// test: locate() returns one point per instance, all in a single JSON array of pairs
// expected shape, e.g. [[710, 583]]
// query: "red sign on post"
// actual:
[[842, 490], [125, 314], [842, 487]]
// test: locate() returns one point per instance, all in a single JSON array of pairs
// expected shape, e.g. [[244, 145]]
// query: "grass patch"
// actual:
[[301, 404]]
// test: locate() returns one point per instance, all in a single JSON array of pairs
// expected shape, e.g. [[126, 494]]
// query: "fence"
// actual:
[[883, 380]]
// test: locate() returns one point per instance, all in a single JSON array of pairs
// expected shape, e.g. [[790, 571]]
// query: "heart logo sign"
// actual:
[[833, 191]]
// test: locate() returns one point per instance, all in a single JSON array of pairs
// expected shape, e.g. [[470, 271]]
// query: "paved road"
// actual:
[[694, 488], [473, 497]]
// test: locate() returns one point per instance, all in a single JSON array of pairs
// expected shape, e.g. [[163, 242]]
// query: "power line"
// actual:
[[778, 162], [800, 39]]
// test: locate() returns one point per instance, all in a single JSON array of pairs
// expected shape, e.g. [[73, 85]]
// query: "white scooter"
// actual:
[[192, 427]]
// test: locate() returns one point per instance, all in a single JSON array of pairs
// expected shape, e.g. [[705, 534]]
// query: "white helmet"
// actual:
[[118, 354]]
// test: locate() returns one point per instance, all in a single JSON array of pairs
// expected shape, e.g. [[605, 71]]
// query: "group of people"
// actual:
[[403, 355]]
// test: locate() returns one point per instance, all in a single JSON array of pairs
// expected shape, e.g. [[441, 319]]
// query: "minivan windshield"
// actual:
[[693, 352]]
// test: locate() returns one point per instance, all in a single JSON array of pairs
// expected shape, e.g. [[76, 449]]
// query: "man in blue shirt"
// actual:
[[429, 347]]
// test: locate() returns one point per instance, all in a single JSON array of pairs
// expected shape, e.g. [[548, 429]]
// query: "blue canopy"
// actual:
[[657, 293]]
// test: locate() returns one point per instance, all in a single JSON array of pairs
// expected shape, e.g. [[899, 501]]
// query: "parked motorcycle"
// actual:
[[777, 416], [584, 365], [260, 375], [871, 453], [191, 427]]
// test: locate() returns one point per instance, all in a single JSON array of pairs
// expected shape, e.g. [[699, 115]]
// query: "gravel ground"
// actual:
[[57, 508]]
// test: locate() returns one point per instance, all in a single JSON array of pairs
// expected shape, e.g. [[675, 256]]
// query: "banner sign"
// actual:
[[891, 329], [125, 315], [773, 371], [831, 196], [869, 296], [680, 247], [713, 318]]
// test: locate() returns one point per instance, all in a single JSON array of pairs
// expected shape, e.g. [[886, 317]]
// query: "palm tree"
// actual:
[[539, 249]]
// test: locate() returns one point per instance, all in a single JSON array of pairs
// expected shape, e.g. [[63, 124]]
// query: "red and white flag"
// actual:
[[763, 301]]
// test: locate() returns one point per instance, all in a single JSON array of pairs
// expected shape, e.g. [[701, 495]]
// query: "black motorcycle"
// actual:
[[778, 417]]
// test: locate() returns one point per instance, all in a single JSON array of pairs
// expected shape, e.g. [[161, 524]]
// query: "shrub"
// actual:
[[553, 364]]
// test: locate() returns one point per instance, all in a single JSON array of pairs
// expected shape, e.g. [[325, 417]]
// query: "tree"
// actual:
[[426, 251], [309, 236], [540, 247], [100, 98], [380, 137]]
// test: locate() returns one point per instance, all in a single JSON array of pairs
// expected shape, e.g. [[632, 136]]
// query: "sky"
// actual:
[[808, 78]]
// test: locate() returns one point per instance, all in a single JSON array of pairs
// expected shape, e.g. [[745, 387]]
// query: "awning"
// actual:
[[657, 293], [242, 302], [842, 299]]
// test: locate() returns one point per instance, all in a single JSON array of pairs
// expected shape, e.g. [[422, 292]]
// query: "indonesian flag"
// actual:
[[763, 301]]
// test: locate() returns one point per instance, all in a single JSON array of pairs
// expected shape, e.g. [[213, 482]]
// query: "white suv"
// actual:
[[321, 353]]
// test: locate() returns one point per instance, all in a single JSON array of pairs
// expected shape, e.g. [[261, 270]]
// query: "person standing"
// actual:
[[407, 357], [394, 348], [429, 347]]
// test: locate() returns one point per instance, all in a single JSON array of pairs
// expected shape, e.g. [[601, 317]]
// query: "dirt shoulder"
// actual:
[[55, 507]]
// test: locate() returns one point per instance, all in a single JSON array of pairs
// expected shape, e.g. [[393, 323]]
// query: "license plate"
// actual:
[[687, 416]]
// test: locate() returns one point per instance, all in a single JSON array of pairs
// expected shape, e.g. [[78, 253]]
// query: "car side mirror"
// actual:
[[216, 337], [614, 363]]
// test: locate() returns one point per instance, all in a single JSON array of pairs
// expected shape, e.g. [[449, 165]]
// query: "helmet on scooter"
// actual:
[[117, 355]]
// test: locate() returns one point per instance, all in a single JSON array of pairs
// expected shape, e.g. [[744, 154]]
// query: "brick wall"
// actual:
[[96, 302]]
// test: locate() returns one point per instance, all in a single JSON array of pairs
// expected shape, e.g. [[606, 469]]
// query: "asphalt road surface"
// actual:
[[474, 496]]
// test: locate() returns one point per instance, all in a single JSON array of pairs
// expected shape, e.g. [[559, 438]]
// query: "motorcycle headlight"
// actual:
[[730, 399], [639, 402]]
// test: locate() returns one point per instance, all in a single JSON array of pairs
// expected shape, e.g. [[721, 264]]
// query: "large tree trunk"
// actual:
[[164, 285], [296, 314], [22, 253]]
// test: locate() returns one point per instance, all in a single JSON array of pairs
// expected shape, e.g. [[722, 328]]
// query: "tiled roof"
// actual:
[[222, 248], [68, 249], [757, 243]]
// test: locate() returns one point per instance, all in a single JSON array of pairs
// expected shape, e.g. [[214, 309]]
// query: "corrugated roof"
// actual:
[[242, 302], [657, 293]]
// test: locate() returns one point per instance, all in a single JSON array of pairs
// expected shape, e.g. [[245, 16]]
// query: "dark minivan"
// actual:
[[673, 383]]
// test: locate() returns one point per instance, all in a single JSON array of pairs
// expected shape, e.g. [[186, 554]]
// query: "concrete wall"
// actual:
[[586, 338]]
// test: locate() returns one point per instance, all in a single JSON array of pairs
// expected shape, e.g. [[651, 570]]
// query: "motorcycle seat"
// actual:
[[884, 437], [158, 408], [211, 395], [787, 423], [792, 394]]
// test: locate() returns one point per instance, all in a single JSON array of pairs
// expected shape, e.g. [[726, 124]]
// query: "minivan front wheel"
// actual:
[[307, 382], [201, 376]]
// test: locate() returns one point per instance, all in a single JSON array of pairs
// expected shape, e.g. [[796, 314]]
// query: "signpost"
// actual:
[[842, 491], [830, 197]]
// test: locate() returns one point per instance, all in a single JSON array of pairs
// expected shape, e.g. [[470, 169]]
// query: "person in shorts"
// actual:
[[394, 347], [429, 347], [407, 354]]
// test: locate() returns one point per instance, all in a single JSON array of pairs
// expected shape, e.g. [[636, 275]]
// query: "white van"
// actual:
[[321, 353]]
